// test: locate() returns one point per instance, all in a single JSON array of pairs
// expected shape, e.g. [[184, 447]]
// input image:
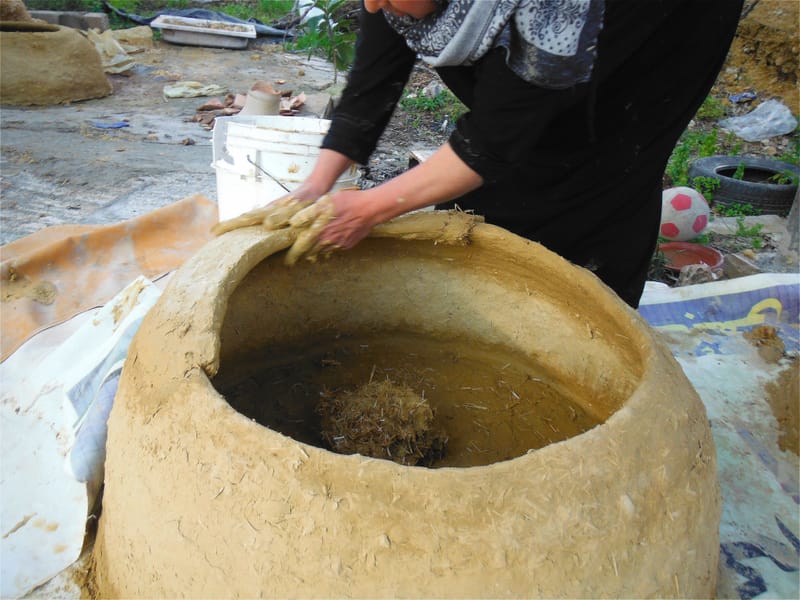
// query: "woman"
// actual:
[[575, 107]]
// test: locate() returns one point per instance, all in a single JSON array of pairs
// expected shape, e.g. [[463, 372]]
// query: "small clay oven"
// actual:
[[42, 64], [579, 461]]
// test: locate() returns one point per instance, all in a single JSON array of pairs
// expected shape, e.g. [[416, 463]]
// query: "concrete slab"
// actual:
[[74, 19]]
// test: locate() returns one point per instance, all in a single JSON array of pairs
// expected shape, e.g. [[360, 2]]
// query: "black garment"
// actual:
[[580, 169]]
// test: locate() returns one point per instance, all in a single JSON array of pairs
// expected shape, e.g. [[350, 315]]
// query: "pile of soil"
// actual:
[[765, 338], [782, 397], [382, 419], [764, 55]]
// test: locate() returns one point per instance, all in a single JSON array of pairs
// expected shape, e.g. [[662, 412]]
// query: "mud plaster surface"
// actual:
[[49, 67], [492, 405], [564, 520], [782, 396], [18, 286]]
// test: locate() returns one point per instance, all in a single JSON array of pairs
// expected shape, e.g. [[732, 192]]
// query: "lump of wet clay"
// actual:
[[765, 337], [382, 419]]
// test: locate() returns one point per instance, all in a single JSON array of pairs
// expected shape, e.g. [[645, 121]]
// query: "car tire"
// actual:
[[768, 198]]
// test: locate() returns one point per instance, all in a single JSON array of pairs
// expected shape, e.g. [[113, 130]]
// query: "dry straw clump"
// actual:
[[383, 420]]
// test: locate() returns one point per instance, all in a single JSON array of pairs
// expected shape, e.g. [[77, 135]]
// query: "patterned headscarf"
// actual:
[[551, 43]]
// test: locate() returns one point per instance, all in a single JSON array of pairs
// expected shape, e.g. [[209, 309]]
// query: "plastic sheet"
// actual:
[[768, 119], [55, 401], [58, 272], [705, 327]]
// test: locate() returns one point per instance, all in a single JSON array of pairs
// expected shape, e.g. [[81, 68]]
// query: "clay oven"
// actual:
[[579, 460]]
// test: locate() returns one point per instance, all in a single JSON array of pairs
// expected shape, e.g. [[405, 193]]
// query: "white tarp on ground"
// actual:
[[704, 325], [57, 392], [44, 506]]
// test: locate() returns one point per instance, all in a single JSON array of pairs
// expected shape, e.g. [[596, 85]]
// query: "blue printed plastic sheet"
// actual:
[[707, 327]]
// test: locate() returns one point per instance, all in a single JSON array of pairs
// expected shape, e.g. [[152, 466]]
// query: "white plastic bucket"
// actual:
[[258, 158]]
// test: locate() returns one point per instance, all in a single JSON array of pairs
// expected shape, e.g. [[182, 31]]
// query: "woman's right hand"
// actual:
[[277, 213], [274, 215]]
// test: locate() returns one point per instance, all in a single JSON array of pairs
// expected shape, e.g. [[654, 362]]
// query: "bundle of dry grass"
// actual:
[[383, 420]]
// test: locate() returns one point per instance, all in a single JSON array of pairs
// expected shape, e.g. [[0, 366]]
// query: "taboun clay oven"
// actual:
[[231, 494], [43, 64]]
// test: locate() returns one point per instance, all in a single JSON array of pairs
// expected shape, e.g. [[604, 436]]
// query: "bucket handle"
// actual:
[[264, 171]]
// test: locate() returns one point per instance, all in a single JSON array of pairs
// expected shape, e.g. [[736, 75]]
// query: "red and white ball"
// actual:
[[684, 214]]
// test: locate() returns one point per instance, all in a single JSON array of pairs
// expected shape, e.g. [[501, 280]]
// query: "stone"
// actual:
[[738, 265], [74, 19], [699, 273]]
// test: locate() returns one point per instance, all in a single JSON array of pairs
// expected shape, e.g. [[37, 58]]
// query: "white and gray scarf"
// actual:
[[551, 43]]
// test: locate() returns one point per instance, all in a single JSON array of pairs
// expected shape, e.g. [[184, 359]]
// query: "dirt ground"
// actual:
[[764, 55], [60, 165]]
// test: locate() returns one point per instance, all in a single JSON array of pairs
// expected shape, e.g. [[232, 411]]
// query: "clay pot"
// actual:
[[203, 500], [43, 64], [258, 102]]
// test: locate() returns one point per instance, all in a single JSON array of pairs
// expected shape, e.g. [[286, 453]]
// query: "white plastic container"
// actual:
[[258, 159], [201, 32]]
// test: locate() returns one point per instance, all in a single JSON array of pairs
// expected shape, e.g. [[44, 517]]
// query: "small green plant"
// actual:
[[736, 209], [265, 11], [712, 108], [692, 144], [709, 145], [323, 35], [442, 105], [752, 231], [742, 229], [423, 103], [739, 172], [792, 154], [785, 178], [706, 186], [734, 146], [703, 238]]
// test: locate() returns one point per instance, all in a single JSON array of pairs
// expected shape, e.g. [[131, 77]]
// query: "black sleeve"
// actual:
[[507, 116], [513, 123], [382, 65]]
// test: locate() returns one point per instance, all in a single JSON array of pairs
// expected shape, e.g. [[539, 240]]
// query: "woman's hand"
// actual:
[[334, 222], [277, 213], [351, 221], [274, 215], [342, 219]]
